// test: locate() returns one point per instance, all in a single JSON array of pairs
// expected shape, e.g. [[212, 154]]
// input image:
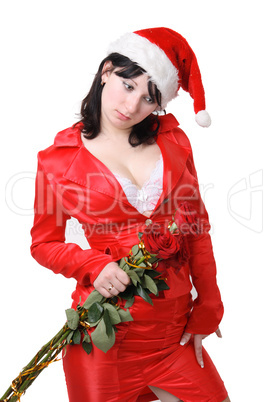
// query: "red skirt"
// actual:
[[146, 352]]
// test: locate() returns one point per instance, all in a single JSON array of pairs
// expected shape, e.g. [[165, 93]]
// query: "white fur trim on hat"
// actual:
[[152, 59]]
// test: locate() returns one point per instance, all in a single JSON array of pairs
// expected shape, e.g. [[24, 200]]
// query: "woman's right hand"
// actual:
[[111, 280]]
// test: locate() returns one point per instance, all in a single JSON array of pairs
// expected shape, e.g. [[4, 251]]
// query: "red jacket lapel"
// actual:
[[87, 171]]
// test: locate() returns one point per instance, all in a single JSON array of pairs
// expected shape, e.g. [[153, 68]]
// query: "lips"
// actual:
[[121, 116]]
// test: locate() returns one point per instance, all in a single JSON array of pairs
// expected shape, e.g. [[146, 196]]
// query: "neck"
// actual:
[[114, 134]]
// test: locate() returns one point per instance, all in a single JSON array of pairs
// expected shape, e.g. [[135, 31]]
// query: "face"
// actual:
[[125, 101]]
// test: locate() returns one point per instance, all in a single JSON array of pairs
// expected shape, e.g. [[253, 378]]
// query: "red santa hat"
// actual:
[[169, 61]]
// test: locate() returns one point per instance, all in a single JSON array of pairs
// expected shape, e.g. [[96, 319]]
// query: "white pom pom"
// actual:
[[203, 118]]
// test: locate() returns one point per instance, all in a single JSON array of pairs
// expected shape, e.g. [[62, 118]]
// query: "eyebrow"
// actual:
[[133, 81]]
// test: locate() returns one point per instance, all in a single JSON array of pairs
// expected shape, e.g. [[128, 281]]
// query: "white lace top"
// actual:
[[144, 199]]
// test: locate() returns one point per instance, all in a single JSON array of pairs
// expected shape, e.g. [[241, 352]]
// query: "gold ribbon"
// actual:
[[136, 266], [16, 383], [146, 255]]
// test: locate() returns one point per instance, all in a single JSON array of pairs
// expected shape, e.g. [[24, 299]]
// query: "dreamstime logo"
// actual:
[[245, 201]]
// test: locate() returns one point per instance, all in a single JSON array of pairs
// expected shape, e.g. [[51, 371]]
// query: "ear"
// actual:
[[107, 70]]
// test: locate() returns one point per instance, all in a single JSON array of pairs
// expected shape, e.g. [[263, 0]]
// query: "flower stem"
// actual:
[[140, 260], [48, 353]]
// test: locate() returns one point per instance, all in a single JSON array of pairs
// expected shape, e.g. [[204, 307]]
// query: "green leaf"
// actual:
[[108, 324], [93, 324], [143, 265], [173, 227], [72, 318], [100, 339], [152, 273], [86, 337], [114, 316], [87, 347], [76, 337], [134, 277], [142, 293], [94, 297], [128, 293], [153, 259], [139, 271], [94, 312], [150, 284], [86, 344], [125, 315], [161, 285], [69, 337], [129, 302], [138, 255], [135, 249], [123, 264]]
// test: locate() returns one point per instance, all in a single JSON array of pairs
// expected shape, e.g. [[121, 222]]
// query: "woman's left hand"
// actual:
[[197, 344]]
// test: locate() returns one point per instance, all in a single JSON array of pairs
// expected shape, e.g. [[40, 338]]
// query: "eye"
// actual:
[[127, 86], [148, 99]]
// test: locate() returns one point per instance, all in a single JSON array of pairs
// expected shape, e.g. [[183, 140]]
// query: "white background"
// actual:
[[50, 51]]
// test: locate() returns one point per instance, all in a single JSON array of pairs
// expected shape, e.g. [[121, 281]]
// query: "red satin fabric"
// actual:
[[146, 352], [71, 182]]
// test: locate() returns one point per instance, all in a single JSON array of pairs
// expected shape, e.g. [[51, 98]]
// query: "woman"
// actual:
[[118, 170]]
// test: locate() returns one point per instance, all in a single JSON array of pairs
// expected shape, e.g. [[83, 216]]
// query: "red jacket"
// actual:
[[71, 182]]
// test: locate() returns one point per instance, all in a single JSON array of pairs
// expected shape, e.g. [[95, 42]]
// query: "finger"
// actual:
[[115, 285], [185, 338], [113, 292], [104, 292], [108, 291], [198, 349], [123, 277], [218, 333]]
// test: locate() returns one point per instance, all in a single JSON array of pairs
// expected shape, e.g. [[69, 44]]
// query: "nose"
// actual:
[[133, 103]]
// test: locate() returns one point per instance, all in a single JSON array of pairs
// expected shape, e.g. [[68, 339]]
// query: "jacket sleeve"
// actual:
[[207, 310], [48, 237]]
